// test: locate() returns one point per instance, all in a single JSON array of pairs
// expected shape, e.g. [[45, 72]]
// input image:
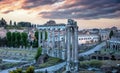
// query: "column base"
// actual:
[[68, 72], [76, 66]]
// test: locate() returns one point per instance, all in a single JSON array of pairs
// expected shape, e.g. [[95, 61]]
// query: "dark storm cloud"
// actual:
[[92, 9], [36, 3]]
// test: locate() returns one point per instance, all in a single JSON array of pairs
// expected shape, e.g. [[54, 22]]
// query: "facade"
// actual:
[[3, 32], [99, 56], [114, 42], [104, 35], [88, 38], [61, 42], [55, 45]]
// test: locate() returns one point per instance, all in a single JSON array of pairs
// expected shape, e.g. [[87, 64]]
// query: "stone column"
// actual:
[[39, 37], [59, 48], [64, 50], [73, 45], [42, 43], [76, 48], [48, 35], [59, 37], [53, 42], [68, 50], [42, 38], [64, 39]]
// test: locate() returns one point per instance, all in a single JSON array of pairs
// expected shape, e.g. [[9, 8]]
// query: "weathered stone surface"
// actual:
[[42, 59]]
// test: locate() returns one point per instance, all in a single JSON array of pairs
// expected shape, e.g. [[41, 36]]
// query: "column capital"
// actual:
[[58, 29], [53, 28]]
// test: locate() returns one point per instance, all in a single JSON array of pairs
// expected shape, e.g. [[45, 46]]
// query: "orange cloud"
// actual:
[[7, 6]]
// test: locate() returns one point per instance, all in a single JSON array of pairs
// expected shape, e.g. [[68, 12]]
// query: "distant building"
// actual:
[[15, 30], [104, 35], [114, 42], [50, 22], [88, 38], [100, 56], [2, 32]]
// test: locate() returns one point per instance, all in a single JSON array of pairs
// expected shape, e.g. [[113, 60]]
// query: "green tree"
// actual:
[[15, 24], [0, 60], [35, 42], [10, 22], [46, 35], [24, 24], [113, 57], [3, 23], [36, 35], [39, 51], [13, 39], [18, 38], [111, 34], [9, 36], [30, 69], [24, 38]]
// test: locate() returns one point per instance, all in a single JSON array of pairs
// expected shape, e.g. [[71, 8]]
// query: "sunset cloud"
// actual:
[[86, 9], [8, 11], [36, 3], [83, 11]]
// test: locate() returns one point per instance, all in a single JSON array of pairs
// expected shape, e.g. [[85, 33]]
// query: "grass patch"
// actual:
[[50, 62], [17, 53], [86, 72], [91, 63], [109, 51], [9, 65]]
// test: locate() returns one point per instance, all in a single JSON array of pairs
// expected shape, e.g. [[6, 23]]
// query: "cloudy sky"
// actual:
[[87, 13]]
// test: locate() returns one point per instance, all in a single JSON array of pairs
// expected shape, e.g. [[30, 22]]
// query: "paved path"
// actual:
[[52, 68], [98, 47], [14, 68], [60, 65], [7, 70], [13, 61]]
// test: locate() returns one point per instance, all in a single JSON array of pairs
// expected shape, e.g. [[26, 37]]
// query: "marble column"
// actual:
[[73, 45], [53, 42], [48, 38], [59, 37], [64, 50], [59, 48], [68, 50], [64, 39], [76, 48], [42, 37], [42, 43], [39, 39]]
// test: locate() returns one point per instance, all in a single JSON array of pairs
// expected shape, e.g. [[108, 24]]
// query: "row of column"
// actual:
[[48, 46], [72, 48], [113, 46]]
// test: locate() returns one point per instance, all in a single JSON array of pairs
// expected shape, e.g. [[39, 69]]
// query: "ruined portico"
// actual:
[[53, 46], [72, 46], [62, 42]]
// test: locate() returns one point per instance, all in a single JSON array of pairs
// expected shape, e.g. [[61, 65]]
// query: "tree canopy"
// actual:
[[111, 34]]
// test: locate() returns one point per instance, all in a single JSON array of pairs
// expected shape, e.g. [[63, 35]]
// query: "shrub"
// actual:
[[30, 69], [16, 71], [0, 60], [39, 51]]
